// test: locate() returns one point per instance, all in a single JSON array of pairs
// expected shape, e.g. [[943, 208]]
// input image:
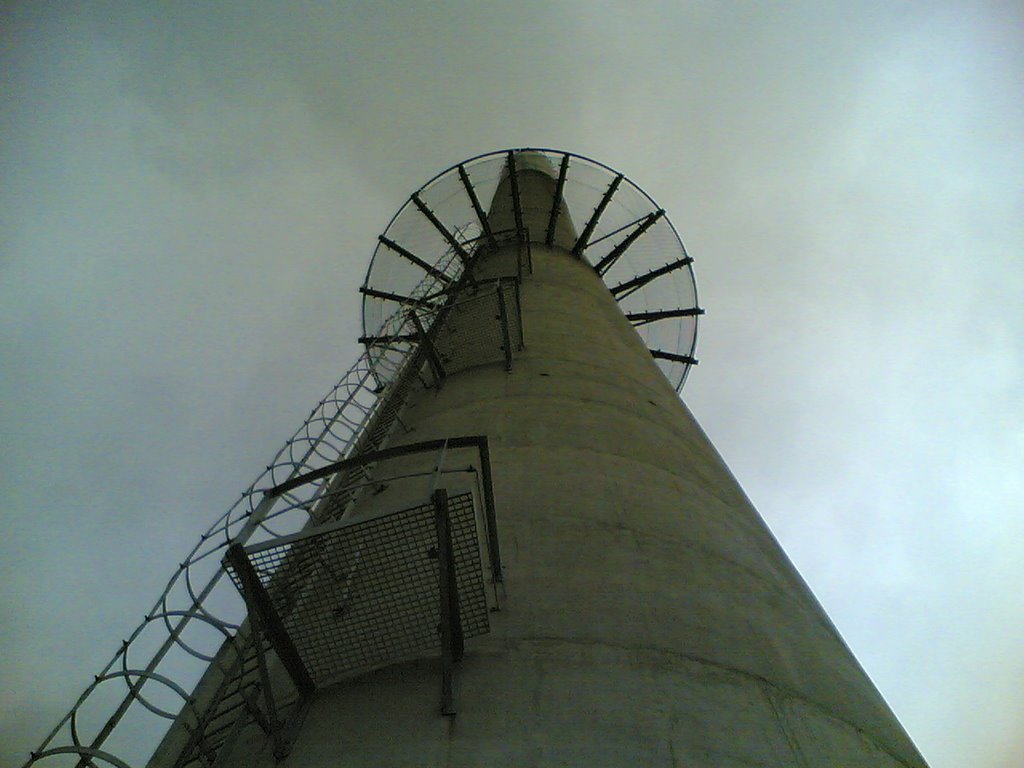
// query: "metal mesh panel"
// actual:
[[675, 289], [366, 594], [586, 188], [472, 332], [485, 174], [504, 266]]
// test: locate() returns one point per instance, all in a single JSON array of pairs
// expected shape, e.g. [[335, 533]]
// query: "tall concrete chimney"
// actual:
[[524, 551]]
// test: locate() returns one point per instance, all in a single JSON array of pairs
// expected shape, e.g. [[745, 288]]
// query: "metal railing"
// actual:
[[198, 612], [200, 672]]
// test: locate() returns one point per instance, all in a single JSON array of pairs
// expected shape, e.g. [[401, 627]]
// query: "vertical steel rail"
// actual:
[[448, 595], [270, 622], [556, 203], [503, 316], [477, 208], [588, 230], [517, 203]]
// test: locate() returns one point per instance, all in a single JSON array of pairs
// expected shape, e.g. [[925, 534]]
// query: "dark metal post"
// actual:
[[428, 345], [440, 227], [640, 318], [259, 603], [517, 203], [503, 316], [641, 280], [450, 628], [489, 512], [415, 259], [556, 201], [588, 230], [606, 263], [485, 224]]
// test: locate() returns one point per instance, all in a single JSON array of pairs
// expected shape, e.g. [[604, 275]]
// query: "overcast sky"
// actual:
[[190, 193]]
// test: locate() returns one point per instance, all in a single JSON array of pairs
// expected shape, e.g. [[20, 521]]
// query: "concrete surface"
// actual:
[[647, 616]]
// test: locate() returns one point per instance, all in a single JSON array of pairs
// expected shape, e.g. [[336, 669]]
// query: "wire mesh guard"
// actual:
[[484, 328], [620, 231], [122, 715], [363, 594]]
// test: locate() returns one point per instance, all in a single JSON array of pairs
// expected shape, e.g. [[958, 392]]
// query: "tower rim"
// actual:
[[625, 236]]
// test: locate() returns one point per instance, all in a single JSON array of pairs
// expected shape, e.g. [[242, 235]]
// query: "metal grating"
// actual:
[[474, 331], [366, 594]]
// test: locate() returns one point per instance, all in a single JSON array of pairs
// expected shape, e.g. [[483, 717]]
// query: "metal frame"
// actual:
[[640, 318], [452, 642], [397, 297], [513, 177], [663, 355], [626, 289], [393, 338], [429, 268], [485, 225], [354, 417], [261, 608], [506, 346], [606, 263], [556, 201], [445, 232], [479, 442], [588, 230], [258, 601], [265, 619], [426, 341]]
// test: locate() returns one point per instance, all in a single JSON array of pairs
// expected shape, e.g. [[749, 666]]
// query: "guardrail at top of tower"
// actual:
[[619, 230]]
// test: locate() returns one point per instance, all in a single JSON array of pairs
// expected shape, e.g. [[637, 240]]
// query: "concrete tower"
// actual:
[[503, 540]]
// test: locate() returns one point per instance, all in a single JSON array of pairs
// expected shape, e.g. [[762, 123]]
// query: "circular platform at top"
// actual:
[[620, 231]]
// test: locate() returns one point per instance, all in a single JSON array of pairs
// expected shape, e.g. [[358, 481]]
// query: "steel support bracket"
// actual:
[[556, 203], [262, 609], [440, 227], [606, 263], [433, 358], [505, 336], [517, 203], [410, 256], [485, 225], [642, 318], [452, 641], [588, 230], [641, 280], [661, 354], [397, 297], [392, 339]]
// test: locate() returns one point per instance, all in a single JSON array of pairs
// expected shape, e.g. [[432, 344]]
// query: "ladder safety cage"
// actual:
[[232, 642], [356, 415]]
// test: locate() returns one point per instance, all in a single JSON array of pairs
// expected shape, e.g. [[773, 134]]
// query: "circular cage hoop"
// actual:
[[133, 680], [628, 240], [86, 753], [164, 619]]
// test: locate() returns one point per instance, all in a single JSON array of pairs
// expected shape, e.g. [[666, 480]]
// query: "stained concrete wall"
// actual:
[[648, 617]]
